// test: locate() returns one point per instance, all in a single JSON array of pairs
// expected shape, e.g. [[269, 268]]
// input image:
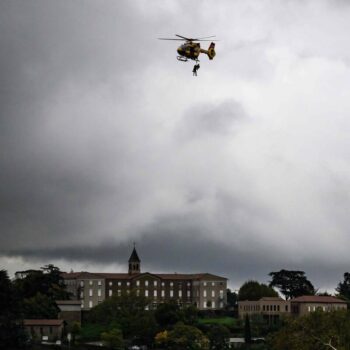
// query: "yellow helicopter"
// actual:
[[192, 48]]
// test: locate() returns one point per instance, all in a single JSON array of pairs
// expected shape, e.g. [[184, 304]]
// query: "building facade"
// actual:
[[204, 290], [270, 308], [309, 303]]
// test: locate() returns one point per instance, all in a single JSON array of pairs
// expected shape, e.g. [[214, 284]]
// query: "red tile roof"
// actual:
[[126, 276], [43, 322], [318, 299]]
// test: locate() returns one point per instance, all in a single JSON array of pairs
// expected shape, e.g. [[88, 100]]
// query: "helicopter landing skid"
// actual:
[[182, 59]]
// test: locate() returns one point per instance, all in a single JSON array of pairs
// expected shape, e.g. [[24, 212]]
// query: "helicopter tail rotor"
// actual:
[[210, 52]]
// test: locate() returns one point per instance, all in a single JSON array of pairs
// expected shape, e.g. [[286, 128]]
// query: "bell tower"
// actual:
[[134, 262]]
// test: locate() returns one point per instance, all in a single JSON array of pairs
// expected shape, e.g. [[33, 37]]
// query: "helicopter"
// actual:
[[192, 48]]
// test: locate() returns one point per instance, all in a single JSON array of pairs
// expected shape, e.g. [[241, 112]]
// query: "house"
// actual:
[[70, 311], [308, 303], [204, 290], [270, 308], [44, 330]]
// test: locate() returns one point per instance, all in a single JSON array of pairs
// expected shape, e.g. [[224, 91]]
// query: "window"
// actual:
[[137, 283], [155, 293], [171, 284], [213, 304], [163, 293], [90, 292], [82, 304], [81, 295], [204, 293], [90, 304], [81, 283], [155, 283], [111, 283], [263, 307], [204, 284], [213, 293], [99, 292], [128, 284], [90, 282], [180, 293], [119, 292], [213, 284], [221, 293], [119, 283], [146, 283], [278, 308], [146, 293], [163, 284], [100, 283], [188, 293], [204, 304], [110, 292], [188, 284], [171, 293], [138, 293], [221, 304], [309, 308], [286, 308]]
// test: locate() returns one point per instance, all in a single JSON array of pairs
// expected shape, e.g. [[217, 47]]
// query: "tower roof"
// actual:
[[134, 257]]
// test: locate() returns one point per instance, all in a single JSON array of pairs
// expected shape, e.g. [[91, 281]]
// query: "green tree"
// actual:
[[11, 329], [130, 313], [344, 287], [39, 306], [168, 314], [232, 298], [292, 284], [187, 337], [113, 339], [189, 315], [318, 330], [253, 290], [219, 337], [247, 330]]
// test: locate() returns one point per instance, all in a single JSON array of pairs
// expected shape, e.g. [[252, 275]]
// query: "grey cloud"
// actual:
[[208, 119]]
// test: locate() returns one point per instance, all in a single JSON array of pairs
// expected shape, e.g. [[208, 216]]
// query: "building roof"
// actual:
[[134, 257], [272, 299], [68, 302], [318, 299], [43, 322]]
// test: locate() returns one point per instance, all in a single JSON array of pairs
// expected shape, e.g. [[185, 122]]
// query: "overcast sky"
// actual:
[[106, 139]]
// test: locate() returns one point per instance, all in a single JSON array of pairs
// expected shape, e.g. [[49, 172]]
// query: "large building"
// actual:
[[204, 290], [272, 309]]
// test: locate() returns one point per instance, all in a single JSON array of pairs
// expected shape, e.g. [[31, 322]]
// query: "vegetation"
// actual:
[[343, 288], [113, 339], [253, 290], [182, 337], [224, 321], [318, 330], [292, 284]]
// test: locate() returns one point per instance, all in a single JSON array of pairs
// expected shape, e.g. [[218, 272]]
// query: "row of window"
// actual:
[[155, 293], [264, 308], [211, 304], [146, 283], [221, 293]]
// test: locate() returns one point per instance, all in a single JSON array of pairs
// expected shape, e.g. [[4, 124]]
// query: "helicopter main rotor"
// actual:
[[183, 38]]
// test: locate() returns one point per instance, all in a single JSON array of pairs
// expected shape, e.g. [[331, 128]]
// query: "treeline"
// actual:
[[31, 297]]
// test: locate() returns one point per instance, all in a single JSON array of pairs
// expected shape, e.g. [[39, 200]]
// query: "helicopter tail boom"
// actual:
[[211, 51]]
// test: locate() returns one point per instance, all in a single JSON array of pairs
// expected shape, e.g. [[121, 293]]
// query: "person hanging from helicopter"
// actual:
[[195, 68]]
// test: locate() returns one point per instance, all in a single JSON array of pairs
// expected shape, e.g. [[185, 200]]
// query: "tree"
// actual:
[[167, 314], [11, 330], [247, 330], [253, 290], [130, 313], [219, 337], [318, 330], [344, 287], [113, 339], [39, 306], [232, 298], [291, 284], [187, 337]]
